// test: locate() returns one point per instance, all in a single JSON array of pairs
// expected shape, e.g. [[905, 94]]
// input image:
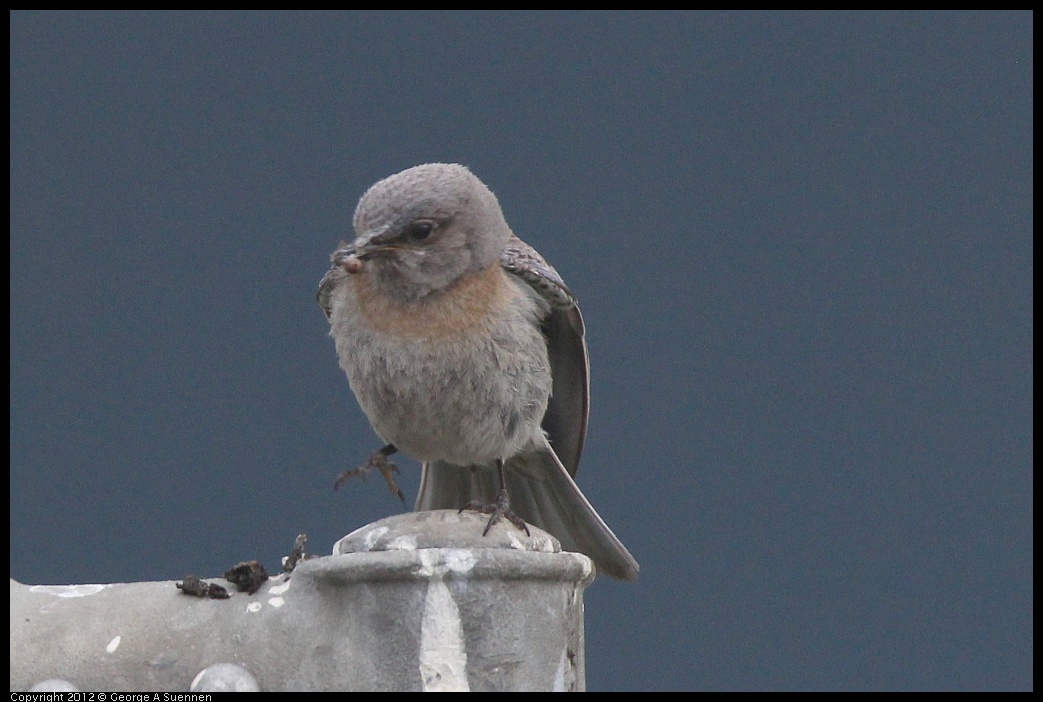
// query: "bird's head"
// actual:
[[420, 230]]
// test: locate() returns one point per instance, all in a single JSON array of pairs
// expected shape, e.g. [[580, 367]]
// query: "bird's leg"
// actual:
[[378, 460], [499, 509]]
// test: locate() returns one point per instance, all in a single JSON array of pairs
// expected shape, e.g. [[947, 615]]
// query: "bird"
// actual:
[[467, 352]]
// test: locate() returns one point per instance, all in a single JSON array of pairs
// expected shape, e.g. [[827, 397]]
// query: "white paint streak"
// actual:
[[68, 590], [459, 560], [113, 645], [543, 543], [279, 589], [370, 539], [559, 673], [403, 543], [253, 607], [443, 658]]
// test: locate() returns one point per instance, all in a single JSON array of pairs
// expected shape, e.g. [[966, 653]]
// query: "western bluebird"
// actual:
[[453, 333]]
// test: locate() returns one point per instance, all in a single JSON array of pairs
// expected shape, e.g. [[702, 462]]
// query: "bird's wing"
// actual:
[[566, 419]]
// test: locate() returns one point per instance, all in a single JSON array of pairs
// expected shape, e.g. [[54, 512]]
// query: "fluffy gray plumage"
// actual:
[[453, 333]]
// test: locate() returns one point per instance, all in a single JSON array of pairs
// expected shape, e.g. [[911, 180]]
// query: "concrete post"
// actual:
[[418, 601]]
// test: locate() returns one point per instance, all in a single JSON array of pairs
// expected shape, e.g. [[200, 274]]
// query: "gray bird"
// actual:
[[466, 351]]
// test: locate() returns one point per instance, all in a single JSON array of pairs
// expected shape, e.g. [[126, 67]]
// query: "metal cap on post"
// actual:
[[418, 601]]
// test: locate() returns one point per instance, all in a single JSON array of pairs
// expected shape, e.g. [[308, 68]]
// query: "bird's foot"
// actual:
[[378, 460], [501, 509]]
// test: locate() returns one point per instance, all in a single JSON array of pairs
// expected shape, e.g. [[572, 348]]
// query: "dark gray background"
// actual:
[[803, 247]]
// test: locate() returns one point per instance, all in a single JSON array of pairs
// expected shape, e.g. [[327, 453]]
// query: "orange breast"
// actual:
[[466, 304]]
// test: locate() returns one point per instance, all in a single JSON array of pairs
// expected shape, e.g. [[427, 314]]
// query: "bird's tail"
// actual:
[[542, 493]]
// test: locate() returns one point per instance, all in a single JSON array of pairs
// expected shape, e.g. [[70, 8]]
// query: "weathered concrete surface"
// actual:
[[419, 601]]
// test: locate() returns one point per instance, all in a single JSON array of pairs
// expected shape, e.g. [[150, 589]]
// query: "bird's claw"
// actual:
[[501, 509], [379, 461]]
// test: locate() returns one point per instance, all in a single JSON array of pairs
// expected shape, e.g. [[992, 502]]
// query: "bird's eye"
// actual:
[[420, 229]]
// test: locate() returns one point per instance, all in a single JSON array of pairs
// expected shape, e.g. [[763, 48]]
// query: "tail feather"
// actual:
[[542, 493]]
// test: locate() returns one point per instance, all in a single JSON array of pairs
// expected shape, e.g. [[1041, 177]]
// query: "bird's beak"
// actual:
[[372, 244]]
